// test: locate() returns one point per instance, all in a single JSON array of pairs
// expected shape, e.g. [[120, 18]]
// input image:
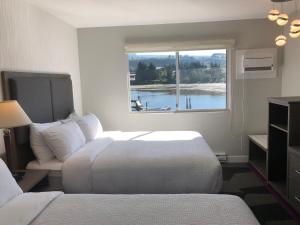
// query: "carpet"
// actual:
[[240, 180]]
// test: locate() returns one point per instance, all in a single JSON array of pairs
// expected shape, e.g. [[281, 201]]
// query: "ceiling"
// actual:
[[103, 13]]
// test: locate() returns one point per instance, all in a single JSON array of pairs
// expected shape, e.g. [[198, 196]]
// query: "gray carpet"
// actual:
[[241, 181]]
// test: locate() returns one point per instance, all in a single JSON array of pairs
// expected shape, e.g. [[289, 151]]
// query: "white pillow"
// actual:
[[8, 185], [38, 145], [64, 140], [73, 116], [90, 126]]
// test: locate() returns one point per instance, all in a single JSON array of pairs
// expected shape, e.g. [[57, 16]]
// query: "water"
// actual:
[[162, 99]]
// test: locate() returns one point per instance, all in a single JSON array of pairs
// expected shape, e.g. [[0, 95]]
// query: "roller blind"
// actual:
[[132, 47]]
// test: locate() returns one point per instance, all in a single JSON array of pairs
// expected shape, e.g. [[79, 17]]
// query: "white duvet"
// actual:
[[60, 209], [144, 162]]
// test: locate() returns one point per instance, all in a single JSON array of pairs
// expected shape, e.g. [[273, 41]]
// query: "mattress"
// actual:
[[144, 163], [54, 166], [62, 209]]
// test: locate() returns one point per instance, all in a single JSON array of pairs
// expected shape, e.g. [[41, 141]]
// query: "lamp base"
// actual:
[[7, 142]]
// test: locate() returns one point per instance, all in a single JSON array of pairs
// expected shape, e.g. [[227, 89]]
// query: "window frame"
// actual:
[[228, 84]]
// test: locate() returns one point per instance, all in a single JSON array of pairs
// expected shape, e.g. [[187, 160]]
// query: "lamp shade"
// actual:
[[283, 19], [12, 115]]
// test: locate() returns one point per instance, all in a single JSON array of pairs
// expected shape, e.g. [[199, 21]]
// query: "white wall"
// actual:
[[32, 40], [290, 71], [104, 67]]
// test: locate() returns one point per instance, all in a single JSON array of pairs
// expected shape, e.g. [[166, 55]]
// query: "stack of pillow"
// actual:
[[62, 138]]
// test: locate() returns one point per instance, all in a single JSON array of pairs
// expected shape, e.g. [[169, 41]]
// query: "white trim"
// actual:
[[177, 81], [135, 47], [237, 158]]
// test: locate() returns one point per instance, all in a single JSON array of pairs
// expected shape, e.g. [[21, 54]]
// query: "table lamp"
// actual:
[[11, 115]]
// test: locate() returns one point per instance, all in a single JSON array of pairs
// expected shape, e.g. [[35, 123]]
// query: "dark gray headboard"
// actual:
[[44, 97]]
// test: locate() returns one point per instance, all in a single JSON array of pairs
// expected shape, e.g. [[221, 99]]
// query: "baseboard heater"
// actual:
[[222, 157]]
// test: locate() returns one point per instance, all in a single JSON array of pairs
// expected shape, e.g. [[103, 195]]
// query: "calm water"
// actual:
[[161, 99]]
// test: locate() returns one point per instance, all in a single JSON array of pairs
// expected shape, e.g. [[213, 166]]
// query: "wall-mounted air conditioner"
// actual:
[[256, 63]]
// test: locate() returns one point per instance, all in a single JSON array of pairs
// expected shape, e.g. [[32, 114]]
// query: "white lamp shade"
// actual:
[[280, 40], [283, 19], [294, 34], [273, 15], [295, 26], [12, 115]]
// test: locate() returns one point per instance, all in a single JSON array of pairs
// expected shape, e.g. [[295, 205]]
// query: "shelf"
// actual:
[[260, 166], [260, 140], [281, 127]]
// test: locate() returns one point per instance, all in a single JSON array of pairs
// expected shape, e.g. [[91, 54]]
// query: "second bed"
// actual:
[[141, 162]]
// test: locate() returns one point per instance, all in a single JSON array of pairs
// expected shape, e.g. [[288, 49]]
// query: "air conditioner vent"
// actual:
[[256, 63]]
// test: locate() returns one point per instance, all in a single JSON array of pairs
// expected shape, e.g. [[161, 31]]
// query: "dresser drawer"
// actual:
[[294, 166], [294, 194]]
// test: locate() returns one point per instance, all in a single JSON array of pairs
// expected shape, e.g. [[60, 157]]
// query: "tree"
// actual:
[[141, 73]]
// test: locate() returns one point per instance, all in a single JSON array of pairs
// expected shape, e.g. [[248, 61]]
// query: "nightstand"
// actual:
[[29, 180]]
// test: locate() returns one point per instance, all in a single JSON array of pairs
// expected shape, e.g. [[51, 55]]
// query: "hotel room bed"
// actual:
[[55, 208], [144, 162], [140, 162]]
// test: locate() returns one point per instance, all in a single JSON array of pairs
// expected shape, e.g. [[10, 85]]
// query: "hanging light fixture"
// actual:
[[295, 25], [282, 19], [281, 40], [295, 29], [273, 14]]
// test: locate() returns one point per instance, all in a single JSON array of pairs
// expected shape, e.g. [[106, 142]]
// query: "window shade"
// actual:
[[133, 47]]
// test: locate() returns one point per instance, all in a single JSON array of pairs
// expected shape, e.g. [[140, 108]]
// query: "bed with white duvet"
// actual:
[[143, 162], [56, 208], [94, 161]]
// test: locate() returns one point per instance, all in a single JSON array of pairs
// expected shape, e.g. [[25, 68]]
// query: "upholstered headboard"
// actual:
[[44, 97]]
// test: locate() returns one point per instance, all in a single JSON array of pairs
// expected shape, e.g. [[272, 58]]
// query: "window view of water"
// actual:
[[200, 75], [167, 100]]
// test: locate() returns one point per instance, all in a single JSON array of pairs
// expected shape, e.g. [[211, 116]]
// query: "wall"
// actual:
[[104, 67], [32, 40], [290, 71]]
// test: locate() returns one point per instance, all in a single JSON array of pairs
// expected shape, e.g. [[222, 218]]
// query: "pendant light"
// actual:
[[273, 13], [295, 29], [283, 18], [280, 40], [295, 25]]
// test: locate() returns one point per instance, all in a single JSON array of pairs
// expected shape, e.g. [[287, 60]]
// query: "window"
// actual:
[[178, 81]]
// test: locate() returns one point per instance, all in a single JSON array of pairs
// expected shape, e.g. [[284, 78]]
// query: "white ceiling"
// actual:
[[103, 13]]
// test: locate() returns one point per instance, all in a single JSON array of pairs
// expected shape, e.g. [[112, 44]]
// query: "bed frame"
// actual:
[[44, 97]]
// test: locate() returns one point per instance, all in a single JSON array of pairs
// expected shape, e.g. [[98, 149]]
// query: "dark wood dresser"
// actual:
[[294, 176], [278, 160]]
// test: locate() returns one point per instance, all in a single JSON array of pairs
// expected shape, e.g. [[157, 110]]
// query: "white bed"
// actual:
[[144, 162], [138, 163], [55, 208]]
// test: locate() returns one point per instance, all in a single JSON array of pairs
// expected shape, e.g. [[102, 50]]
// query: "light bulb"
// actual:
[[294, 34], [295, 26], [280, 40], [283, 19], [273, 15]]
